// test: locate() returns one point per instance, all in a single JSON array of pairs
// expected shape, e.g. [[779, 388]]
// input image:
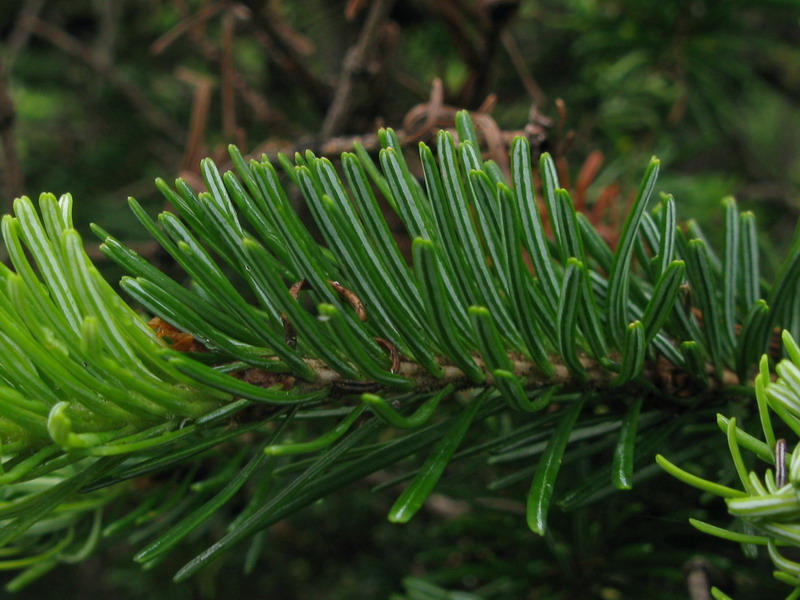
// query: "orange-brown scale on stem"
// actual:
[[176, 339]]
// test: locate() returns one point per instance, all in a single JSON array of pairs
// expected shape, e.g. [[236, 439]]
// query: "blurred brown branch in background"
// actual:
[[13, 184], [359, 69], [287, 50], [201, 51], [350, 102], [98, 59]]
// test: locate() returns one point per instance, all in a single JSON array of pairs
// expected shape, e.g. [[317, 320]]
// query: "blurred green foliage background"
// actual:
[[98, 98]]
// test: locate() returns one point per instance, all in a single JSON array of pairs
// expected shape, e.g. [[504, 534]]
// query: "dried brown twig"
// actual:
[[198, 121], [421, 123], [234, 16], [189, 23]]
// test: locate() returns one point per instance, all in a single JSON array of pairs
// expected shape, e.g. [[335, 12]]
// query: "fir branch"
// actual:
[[93, 397]]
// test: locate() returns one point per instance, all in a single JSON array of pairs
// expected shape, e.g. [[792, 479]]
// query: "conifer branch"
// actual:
[[575, 340]]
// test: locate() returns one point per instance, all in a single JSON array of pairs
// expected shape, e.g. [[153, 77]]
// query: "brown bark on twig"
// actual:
[[673, 386], [700, 576]]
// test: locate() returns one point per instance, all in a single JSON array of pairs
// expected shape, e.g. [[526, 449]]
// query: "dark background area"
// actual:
[[99, 98]]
